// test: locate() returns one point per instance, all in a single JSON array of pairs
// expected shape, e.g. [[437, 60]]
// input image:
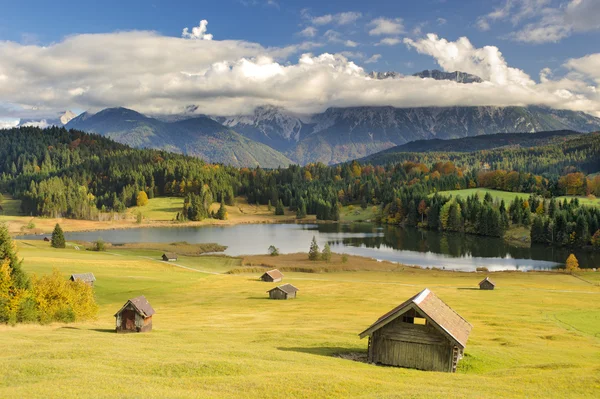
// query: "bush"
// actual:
[[30, 225], [99, 245], [139, 217], [572, 265], [344, 258], [273, 251], [482, 269], [58, 237]]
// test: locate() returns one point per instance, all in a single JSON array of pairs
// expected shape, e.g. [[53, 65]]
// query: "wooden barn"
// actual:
[[169, 257], [286, 291], [87, 278], [272, 276], [422, 333], [47, 239], [486, 284], [135, 316]]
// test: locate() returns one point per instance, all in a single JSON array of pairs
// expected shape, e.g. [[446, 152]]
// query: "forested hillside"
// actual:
[[56, 172]]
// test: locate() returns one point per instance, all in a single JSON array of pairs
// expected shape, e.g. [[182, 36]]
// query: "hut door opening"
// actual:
[[128, 320]]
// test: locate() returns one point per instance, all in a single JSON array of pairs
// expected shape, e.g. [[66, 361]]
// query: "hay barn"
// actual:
[[422, 333], [286, 291], [87, 278], [272, 276], [486, 284], [169, 257], [135, 316]]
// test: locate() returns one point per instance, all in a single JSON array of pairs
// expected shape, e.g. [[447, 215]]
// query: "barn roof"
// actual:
[[488, 280], [434, 309], [274, 274], [170, 255], [141, 304], [287, 288], [87, 277]]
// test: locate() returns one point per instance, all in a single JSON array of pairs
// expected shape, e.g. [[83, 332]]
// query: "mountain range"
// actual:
[[272, 136]]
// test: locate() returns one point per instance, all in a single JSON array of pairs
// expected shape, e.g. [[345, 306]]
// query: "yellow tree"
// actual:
[[572, 264], [142, 199]]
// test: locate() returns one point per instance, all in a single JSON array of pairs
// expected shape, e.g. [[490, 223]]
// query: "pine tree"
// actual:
[[8, 253], [301, 211], [326, 255], [58, 237], [335, 211], [279, 210], [314, 252], [222, 212]]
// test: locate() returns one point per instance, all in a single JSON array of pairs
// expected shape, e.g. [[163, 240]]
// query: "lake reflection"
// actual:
[[403, 245]]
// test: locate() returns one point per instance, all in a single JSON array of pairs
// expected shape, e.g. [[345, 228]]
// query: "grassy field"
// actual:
[[216, 335], [508, 197]]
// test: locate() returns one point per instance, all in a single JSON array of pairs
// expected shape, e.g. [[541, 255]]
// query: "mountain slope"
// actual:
[[201, 136], [341, 134]]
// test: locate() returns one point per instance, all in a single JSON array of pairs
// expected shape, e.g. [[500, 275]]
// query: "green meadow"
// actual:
[[217, 336], [508, 197]]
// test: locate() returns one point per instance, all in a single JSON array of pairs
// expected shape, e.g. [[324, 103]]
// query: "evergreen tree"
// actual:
[[454, 217], [314, 251], [8, 253], [326, 255], [537, 230], [279, 209], [335, 211], [301, 211], [222, 212], [58, 237]]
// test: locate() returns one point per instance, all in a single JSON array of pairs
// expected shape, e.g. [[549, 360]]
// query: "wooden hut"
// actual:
[[135, 316], [47, 239], [87, 278], [169, 257], [286, 291], [486, 284], [422, 333], [272, 276]]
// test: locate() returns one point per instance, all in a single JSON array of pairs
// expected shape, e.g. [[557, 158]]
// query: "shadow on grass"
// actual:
[[354, 354], [69, 328], [260, 297], [173, 210], [104, 330]]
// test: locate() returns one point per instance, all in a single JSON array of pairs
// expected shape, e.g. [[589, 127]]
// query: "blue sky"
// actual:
[[531, 35]]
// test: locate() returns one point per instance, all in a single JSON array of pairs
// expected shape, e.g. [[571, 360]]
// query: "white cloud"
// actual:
[[156, 74], [342, 18], [442, 21], [386, 26], [7, 123], [486, 62], [336, 37], [546, 23], [41, 124], [372, 59], [389, 41], [198, 32], [309, 31]]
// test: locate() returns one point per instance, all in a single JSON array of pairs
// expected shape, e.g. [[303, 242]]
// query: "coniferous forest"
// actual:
[[60, 173]]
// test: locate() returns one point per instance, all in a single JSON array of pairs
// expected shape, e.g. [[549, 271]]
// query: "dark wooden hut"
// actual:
[[135, 316], [286, 291], [47, 239], [422, 333], [87, 278], [272, 276], [486, 284], [169, 257]]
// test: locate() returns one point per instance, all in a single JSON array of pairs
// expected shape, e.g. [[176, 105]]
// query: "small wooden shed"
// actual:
[[135, 316], [422, 333], [286, 291], [47, 239], [87, 278], [169, 257], [272, 276], [486, 284]]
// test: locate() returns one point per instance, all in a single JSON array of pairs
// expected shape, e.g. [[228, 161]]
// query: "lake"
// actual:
[[403, 245]]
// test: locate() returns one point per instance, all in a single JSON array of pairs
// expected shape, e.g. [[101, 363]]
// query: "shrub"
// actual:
[[30, 225], [58, 237], [344, 258], [99, 245], [482, 269], [572, 265], [273, 251], [139, 217]]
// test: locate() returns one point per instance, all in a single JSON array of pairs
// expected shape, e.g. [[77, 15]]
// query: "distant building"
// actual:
[[486, 284], [47, 239], [87, 278], [286, 291], [169, 257], [272, 276], [135, 316], [422, 333]]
